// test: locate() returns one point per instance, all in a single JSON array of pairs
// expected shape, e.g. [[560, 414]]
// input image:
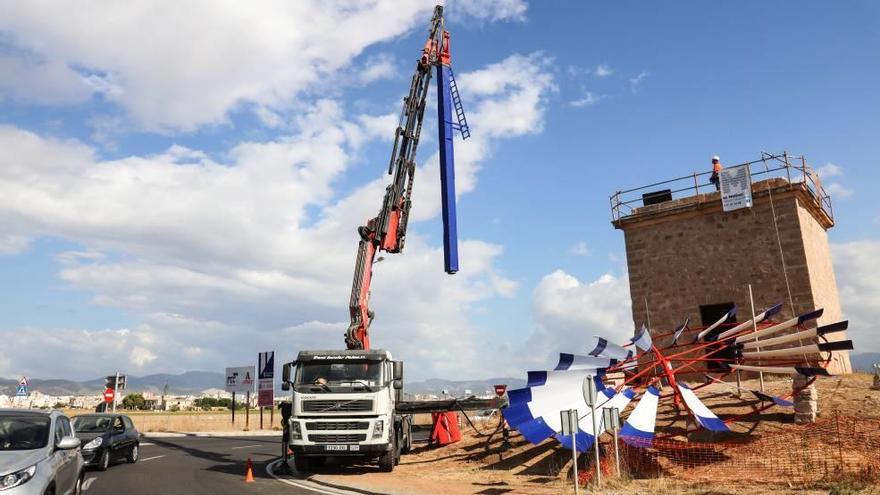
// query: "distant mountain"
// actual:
[[195, 382], [190, 382], [48, 387], [456, 388], [864, 361]]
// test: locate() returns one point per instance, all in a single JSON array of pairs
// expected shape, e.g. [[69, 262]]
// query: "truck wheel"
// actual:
[[301, 463], [387, 461]]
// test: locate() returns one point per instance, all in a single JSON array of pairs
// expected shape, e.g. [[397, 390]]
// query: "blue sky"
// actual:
[[183, 200]]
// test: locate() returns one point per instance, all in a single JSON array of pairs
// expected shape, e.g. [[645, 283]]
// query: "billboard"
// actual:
[[240, 379], [736, 188], [266, 385]]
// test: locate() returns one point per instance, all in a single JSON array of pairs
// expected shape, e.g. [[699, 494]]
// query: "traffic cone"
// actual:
[[249, 473]]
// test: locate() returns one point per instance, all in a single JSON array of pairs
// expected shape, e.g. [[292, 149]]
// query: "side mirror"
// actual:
[[68, 443], [397, 373], [285, 375], [398, 384]]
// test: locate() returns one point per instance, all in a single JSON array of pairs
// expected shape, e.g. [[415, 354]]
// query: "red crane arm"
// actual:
[[387, 231]]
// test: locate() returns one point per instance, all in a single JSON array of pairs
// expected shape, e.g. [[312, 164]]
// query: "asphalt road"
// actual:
[[194, 465]]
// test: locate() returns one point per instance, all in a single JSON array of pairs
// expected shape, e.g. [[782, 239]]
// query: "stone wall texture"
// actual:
[[687, 253]]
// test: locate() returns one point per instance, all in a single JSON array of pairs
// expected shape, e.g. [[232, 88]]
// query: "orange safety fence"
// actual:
[[831, 449]]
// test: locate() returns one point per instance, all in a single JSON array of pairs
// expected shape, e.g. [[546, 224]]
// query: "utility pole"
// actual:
[[115, 391]]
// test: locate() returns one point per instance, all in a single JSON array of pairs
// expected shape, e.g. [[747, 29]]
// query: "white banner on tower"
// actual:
[[736, 187]]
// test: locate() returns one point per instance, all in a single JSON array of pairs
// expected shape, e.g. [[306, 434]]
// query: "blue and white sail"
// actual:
[[797, 320], [704, 416], [638, 431], [763, 315], [539, 418], [603, 348], [680, 330], [576, 362], [783, 370], [606, 399], [702, 335], [643, 339]]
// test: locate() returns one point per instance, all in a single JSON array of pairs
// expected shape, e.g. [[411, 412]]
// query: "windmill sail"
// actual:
[[700, 336], [638, 431], [757, 319], [705, 417], [797, 320]]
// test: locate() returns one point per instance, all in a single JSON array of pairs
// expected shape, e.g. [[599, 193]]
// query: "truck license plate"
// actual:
[[336, 447]]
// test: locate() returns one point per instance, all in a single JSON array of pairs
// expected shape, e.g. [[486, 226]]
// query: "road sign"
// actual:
[[589, 391], [109, 395], [569, 421], [266, 386], [500, 389], [570, 428], [22, 389], [240, 379]]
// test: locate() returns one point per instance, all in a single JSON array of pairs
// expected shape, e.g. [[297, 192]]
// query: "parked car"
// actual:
[[106, 438], [39, 454]]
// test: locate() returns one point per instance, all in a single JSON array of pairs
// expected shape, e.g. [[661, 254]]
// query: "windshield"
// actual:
[[23, 432], [91, 424], [364, 374]]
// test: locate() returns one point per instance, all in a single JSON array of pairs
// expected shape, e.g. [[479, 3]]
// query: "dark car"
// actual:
[[106, 438]]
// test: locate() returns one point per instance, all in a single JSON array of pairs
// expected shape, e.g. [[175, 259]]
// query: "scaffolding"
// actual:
[[696, 189]]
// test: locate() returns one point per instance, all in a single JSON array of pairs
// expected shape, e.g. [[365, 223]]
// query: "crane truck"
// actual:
[[350, 402]]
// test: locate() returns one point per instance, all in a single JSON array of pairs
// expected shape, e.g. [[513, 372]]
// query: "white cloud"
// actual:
[[855, 267], [603, 71], [829, 170], [226, 256], [635, 82], [489, 10], [588, 99], [579, 249], [376, 68], [13, 244], [838, 190], [568, 312], [206, 57]]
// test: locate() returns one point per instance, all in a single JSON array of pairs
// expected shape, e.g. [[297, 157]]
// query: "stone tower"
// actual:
[[689, 258]]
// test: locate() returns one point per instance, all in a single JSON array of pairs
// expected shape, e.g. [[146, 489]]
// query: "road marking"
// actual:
[[245, 447], [270, 470], [144, 444], [87, 483], [151, 458]]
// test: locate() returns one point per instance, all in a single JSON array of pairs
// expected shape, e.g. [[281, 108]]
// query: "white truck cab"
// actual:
[[343, 404]]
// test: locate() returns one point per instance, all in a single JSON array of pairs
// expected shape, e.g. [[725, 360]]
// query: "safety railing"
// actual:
[[793, 169]]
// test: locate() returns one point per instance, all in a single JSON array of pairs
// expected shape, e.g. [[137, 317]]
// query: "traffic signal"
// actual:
[[110, 382]]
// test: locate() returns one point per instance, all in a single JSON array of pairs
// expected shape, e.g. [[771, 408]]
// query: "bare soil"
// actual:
[[478, 466]]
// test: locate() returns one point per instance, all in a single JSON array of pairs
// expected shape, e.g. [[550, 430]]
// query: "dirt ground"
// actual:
[[475, 466]]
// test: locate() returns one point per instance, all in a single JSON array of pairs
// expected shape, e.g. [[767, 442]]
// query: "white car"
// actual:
[[39, 454]]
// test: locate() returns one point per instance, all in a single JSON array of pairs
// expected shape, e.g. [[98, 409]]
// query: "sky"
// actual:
[[181, 183]]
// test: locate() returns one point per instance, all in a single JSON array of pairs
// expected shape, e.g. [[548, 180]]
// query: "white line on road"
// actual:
[[144, 444], [270, 470], [245, 447], [151, 458], [87, 483]]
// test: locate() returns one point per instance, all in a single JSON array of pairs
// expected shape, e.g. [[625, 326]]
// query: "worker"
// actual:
[[716, 170]]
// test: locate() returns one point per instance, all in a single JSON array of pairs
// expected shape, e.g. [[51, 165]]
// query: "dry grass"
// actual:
[[197, 421]]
